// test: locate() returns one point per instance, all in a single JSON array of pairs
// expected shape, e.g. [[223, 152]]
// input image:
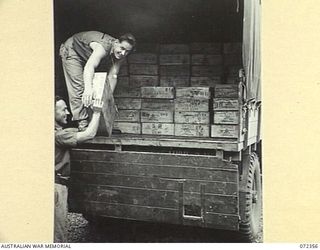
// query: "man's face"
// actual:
[[122, 49], [61, 112]]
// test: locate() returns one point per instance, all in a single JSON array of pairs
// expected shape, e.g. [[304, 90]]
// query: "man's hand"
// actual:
[[97, 105], [87, 97]]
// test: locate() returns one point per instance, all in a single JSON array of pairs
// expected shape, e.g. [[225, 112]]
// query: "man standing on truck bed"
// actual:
[[64, 139], [81, 54]]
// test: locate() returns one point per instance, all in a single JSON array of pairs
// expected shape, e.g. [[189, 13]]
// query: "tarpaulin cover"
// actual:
[[251, 47]]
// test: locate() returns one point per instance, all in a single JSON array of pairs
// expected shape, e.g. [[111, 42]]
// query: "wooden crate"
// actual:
[[143, 69], [128, 116], [126, 91], [232, 48], [157, 92], [174, 70], [144, 58], [158, 128], [212, 70], [174, 49], [128, 127], [233, 70], [191, 104], [174, 59], [192, 117], [174, 81], [157, 116], [123, 81], [205, 59], [193, 92], [128, 103], [226, 104], [232, 59], [227, 131], [193, 130], [147, 48], [227, 91], [123, 71], [143, 80], [157, 104], [226, 117], [207, 48], [205, 81]]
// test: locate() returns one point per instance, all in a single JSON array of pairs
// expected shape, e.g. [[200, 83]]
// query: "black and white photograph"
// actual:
[[157, 114]]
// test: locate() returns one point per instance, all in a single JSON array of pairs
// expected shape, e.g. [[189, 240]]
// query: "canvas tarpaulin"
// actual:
[[251, 47]]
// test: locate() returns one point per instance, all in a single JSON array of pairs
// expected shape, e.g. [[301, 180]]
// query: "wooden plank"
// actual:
[[205, 81], [178, 160], [150, 170], [174, 70], [174, 49], [143, 69], [191, 104], [123, 81], [213, 70], [232, 48], [144, 58], [143, 80], [128, 103], [193, 130], [232, 59], [227, 90], [224, 188], [207, 48], [147, 48], [174, 81], [127, 91], [226, 104], [157, 104], [157, 92], [174, 59], [128, 116], [128, 127], [158, 128], [225, 131], [192, 117], [154, 198], [193, 92], [157, 116], [205, 59], [226, 117]]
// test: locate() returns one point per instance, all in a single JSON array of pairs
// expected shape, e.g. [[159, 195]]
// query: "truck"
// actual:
[[188, 147]]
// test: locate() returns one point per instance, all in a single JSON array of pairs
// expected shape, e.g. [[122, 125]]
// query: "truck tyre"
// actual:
[[251, 200]]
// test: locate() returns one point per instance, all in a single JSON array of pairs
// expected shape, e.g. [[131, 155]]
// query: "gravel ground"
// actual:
[[112, 230]]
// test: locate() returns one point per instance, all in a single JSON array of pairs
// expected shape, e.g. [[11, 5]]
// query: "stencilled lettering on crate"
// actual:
[[191, 104], [143, 69], [192, 117], [144, 58], [128, 116], [156, 116], [227, 90], [193, 92], [174, 59], [158, 128], [225, 104], [174, 81], [128, 127], [157, 104], [128, 103], [157, 92], [195, 130], [226, 117], [126, 91], [205, 59], [143, 80], [225, 131]]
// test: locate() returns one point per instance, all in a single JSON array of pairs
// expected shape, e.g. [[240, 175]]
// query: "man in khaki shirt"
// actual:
[[65, 138]]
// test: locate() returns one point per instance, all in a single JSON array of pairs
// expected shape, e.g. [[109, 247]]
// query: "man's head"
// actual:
[[61, 111], [124, 45]]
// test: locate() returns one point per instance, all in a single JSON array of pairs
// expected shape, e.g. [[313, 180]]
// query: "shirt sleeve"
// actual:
[[66, 137]]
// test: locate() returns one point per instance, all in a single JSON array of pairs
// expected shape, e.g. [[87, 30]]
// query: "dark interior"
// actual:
[[151, 21]]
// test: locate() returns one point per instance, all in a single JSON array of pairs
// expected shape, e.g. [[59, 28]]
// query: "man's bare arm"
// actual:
[[113, 75]]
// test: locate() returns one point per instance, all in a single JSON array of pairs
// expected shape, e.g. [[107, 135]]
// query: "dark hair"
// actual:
[[57, 98], [129, 38]]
